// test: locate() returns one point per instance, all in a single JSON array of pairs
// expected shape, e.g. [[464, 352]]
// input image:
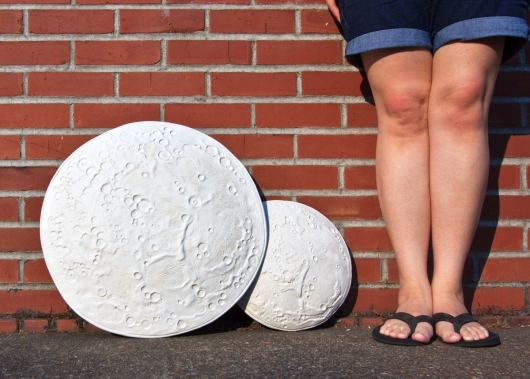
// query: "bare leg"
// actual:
[[400, 80], [462, 85]]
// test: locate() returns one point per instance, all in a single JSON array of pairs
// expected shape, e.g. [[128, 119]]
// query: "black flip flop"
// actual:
[[408, 319], [459, 321]]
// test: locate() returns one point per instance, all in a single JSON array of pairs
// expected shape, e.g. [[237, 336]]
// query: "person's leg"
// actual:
[[462, 85], [400, 80]]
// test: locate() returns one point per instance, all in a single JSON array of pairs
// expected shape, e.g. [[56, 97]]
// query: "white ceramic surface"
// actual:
[[306, 274], [152, 229]]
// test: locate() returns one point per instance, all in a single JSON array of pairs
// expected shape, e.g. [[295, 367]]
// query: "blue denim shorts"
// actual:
[[378, 24]]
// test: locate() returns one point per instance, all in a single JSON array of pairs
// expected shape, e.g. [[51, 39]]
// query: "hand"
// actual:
[[334, 9]]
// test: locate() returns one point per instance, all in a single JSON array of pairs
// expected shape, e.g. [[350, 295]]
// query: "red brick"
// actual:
[[489, 321], [496, 298], [34, 53], [345, 207], [117, 52], [113, 115], [161, 21], [509, 145], [53, 147], [512, 84], [253, 84], [8, 271], [519, 321], [67, 325], [334, 84], [366, 270], [44, 301], [32, 208], [506, 207], [208, 1], [9, 147], [501, 238], [297, 2], [299, 52], [25, 178], [370, 322], [361, 115], [10, 22], [35, 325], [337, 146], [20, 239], [392, 270], [209, 52], [9, 209], [8, 325], [10, 84], [367, 239], [93, 329], [257, 145], [504, 269], [71, 21], [318, 21], [297, 115], [162, 84], [346, 322], [360, 177], [504, 177], [34, 115], [127, 2], [504, 115], [251, 21], [209, 115], [70, 84], [295, 177], [372, 299], [36, 272], [35, 1]]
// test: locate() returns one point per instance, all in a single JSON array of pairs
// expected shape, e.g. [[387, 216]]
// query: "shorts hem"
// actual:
[[382, 39], [482, 27]]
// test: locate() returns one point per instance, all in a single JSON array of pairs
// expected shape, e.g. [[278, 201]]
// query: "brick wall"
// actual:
[[267, 79]]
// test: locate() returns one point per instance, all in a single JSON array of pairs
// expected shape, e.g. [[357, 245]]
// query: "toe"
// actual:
[[423, 333], [446, 332]]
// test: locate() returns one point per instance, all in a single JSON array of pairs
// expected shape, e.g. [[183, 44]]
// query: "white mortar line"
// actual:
[[199, 35], [25, 23], [20, 255], [22, 148], [21, 210], [71, 116], [166, 6]]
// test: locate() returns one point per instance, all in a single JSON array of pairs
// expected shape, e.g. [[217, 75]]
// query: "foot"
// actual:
[[469, 332], [398, 329]]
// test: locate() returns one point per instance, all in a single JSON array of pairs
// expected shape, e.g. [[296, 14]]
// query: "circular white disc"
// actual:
[[152, 229], [306, 273]]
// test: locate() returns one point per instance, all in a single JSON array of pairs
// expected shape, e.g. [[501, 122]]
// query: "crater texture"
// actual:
[[152, 229], [306, 273]]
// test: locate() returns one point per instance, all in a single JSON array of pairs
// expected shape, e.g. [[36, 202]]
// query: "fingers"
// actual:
[[334, 9]]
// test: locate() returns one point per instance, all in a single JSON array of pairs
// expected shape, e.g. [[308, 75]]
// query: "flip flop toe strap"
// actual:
[[410, 320], [458, 321]]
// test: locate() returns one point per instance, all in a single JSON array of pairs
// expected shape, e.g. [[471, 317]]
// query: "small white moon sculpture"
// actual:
[[152, 229], [306, 274]]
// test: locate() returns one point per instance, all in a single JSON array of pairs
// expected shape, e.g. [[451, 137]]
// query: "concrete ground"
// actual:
[[256, 353]]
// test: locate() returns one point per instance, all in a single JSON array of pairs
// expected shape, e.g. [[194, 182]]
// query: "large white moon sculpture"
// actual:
[[152, 229], [307, 271]]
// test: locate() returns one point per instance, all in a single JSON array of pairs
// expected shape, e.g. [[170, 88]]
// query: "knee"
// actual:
[[405, 110], [461, 104]]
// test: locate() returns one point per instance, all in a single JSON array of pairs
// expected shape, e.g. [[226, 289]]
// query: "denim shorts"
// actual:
[[377, 24]]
